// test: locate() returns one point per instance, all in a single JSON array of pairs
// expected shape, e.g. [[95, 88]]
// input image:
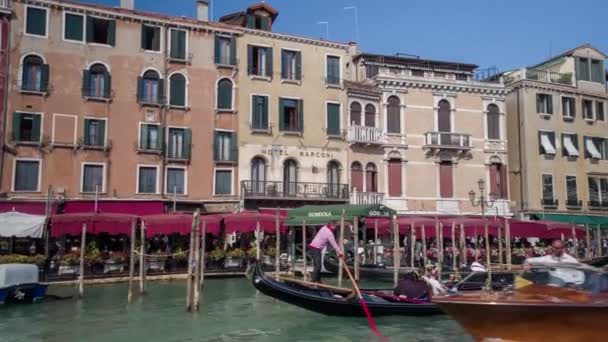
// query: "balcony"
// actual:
[[366, 135], [366, 197], [6, 6], [598, 205], [539, 75], [447, 140], [294, 191], [549, 203], [574, 204]]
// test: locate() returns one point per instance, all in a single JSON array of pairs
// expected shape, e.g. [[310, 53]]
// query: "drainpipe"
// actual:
[[7, 55]]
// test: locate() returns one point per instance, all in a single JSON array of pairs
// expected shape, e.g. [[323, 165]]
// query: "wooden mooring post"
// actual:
[[142, 259], [132, 262], [196, 282], [83, 247], [341, 245], [203, 248], [190, 282]]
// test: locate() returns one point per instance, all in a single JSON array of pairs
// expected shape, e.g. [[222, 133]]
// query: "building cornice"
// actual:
[[442, 86], [563, 88], [296, 39]]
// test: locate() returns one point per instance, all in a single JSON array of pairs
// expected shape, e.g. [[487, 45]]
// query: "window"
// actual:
[[26, 127], [291, 65], [548, 189], [176, 180], [225, 148], [101, 31], [582, 70], [223, 182], [150, 37], [93, 178], [177, 90], [97, 82], [259, 60], [94, 132], [393, 115], [35, 75], [291, 115], [179, 44], [568, 107], [546, 142], [417, 73], [355, 114], [371, 178], [178, 143], [444, 116], [150, 88], [225, 50], [598, 192], [570, 145], [371, 71], [147, 179], [258, 174], [224, 94], [259, 109], [590, 70], [446, 187], [26, 175], [36, 21], [73, 27], [258, 22], [333, 70], [571, 191], [333, 119], [370, 115], [333, 179], [461, 77], [150, 137], [595, 148], [587, 109], [544, 103], [498, 180], [438, 74], [290, 177], [599, 111], [356, 177], [394, 178], [598, 73], [493, 117]]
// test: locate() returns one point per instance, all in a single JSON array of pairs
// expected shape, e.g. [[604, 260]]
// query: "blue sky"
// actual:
[[502, 33]]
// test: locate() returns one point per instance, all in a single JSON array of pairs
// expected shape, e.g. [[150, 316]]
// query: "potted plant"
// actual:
[[115, 262], [216, 257], [180, 258], [234, 258], [93, 258], [70, 264], [269, 255]]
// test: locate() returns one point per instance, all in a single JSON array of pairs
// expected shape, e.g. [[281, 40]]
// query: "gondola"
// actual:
[[336, 301]]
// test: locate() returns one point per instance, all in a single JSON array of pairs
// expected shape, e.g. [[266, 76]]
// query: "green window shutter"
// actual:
[[232, 51], [178, 44], [301, 115], [101, 133], [255, 112], [144, 36], [187, 148], [265, 23], [217, 50], [298, 65], [36, 21], [140, 89], [73, 27], [112, 33], [161, 91], [143, 137], [550, 104], [249, 59], [265, 112], [36, 127], [86, 137], [160, 139], [216, 145], [269, 70], [44, 77], [283, 64], [86, 80], [177, 96], [250, 21], [108, 86], [281, 114], [333, 119], [16, 126], [90, 30], [233, 147]]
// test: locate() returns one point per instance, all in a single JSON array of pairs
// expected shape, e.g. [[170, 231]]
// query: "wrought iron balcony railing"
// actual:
[[598, 205], [574, 204], [366, 135], [366, 197], [549, 203], [294, 191], [447, 140]]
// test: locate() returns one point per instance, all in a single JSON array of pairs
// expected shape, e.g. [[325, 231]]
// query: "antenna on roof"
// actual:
[[326, 23]]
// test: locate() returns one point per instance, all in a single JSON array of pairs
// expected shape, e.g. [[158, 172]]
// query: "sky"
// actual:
[[505, 34]]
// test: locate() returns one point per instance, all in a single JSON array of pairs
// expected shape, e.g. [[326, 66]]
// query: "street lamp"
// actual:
[[484, 201]]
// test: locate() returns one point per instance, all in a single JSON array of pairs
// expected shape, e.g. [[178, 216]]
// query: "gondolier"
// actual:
[[324, 236]]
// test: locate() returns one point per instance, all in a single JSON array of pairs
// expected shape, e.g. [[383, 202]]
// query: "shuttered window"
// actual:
[[94, 132], [291, 65], [291, 115], [446, 187], [96, 82], [26, 127], [150, 37], [35, 75], [493, 117], [371, 178], [333, 70], [101, 31], [179, 142], [598, 74], [74, 27], [178, 44], [176, 181], [225, 50], [544, 103], [259, 60], [356, 176], [225, 148], [355, 114], [394, 178], [370, 116], [150, 88], [35, 21], [599, 111], [444, 117], [147, 183], [333, 119], [393, 115], [498, 180], [571, 190], [151, 137], [223, 182], [177, 92], [93, 178], [547, 188], [224, 94], [27, 173], [259, 115]]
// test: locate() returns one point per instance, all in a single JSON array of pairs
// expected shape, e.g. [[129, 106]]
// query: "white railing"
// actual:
[[447, 140], [367, 135], [366, 197]]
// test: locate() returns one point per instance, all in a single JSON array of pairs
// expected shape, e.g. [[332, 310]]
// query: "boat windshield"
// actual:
[[568, 276]]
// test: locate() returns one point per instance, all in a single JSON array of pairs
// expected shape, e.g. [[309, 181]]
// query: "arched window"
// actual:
[[97, 82], [355, 114], [444, 121], [493, 117], [258, 174], [224, 94], [150, 88], [356, 176], [333, 178], [177, 90], [371, 177], [370, 115], [290, 177], [35, 75], [393, 115]]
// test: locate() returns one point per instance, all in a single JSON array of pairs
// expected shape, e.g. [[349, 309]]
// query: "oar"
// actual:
[[370, 320]]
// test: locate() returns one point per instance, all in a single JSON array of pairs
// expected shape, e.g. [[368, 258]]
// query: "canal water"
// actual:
[[232, 310]]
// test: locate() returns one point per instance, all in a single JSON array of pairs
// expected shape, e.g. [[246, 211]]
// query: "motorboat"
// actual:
[[20, 283]]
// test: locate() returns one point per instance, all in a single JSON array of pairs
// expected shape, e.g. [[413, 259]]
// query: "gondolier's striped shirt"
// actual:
[[323, 237]]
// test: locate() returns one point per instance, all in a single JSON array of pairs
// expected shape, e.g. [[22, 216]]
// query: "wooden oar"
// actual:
[[370, 320], [310, 283]]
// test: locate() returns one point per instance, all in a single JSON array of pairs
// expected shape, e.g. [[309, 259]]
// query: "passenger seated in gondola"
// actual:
[[412, 287]]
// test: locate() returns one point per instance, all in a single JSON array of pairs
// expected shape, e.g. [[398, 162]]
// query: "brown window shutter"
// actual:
[[445, 180], [494, 179], [504, 181], [394, 178], [357, 178]]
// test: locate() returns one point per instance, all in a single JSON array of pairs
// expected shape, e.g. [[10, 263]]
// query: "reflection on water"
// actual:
[[232, 310]]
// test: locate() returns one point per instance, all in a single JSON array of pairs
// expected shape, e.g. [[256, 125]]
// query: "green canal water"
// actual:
[[232, 310]]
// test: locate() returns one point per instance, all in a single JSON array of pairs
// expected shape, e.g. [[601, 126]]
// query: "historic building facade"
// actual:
[[5, 27], [117, 104], [292, 149], [422, 133], [557, 128]]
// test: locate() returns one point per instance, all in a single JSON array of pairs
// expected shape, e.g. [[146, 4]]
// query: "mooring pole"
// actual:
[[197, 263], [203, 248], [356, 246], [341, 244], [423, 238], [83, 247], [396, 254], [454, 268], [189, 291], [142, 259], [277, 256], [132, 262], [304, 249]]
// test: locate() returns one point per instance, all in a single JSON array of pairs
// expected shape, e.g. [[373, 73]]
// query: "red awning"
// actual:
[[139, 208], [167, 224], [245, 222], [71, 224], [544, 229], [33, 208], [283, 213]]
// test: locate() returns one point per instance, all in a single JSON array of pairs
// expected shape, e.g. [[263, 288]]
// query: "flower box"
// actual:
[[232, 262], [110, 266]]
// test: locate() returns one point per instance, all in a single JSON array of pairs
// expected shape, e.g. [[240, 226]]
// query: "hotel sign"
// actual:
[[281, 152]]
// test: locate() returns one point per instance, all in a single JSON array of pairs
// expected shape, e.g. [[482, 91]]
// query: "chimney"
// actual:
[[202, 10], [127, 4]]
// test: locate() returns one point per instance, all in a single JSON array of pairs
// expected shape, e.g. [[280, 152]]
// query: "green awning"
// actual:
[[319, 214], [576, 219]]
